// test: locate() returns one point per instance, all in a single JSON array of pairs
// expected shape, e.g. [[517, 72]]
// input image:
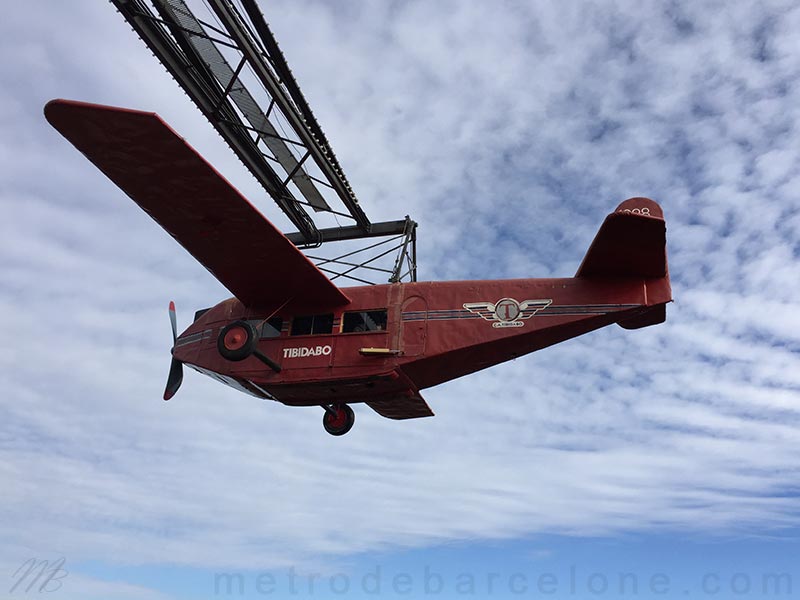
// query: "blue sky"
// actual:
[[508, 131]]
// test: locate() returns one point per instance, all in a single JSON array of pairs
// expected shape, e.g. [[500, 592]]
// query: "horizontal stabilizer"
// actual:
[[401, 407], [631, 243], [652, 316], [184, 194]]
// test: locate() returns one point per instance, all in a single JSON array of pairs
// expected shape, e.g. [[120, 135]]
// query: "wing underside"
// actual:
[[198, 207]]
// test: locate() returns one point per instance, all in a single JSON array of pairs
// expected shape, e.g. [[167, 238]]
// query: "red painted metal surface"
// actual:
[[196, 205]]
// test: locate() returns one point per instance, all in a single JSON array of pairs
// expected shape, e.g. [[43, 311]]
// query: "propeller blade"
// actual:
[[175, 377], [174, 380], [173, 318]]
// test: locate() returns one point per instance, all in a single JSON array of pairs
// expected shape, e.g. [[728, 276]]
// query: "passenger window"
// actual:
[[314, 324], [270, 328], [369, 320]]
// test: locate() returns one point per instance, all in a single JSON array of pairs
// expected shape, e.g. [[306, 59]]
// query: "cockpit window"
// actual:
[[314, 324], [368, 320], [270, 328]]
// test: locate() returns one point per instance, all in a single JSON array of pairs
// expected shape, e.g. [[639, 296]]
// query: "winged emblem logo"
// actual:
[[507, 312]]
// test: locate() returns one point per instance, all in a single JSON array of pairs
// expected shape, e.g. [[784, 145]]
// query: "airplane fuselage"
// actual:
[[396, 339]]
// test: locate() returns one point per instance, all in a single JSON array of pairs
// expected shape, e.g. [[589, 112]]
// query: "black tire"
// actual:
[[237, 341], [341, 422]]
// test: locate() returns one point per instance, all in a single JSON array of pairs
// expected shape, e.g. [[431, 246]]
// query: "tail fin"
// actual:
[[632, 242]]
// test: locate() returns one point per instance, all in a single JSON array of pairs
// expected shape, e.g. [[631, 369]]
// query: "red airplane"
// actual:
[[291, 335]]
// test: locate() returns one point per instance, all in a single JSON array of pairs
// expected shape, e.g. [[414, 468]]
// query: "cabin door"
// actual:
[[414, 325]]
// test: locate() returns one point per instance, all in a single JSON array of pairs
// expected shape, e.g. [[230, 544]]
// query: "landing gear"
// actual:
[[237, 341], [338, 419]]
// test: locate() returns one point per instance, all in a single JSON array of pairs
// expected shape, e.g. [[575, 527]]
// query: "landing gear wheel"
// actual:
[[338, 419], [237, 341]]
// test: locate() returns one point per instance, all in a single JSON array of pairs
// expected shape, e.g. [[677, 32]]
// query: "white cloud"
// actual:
[[508, 134]]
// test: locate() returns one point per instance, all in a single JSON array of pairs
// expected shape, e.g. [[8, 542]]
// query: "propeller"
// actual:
[[175, 377]]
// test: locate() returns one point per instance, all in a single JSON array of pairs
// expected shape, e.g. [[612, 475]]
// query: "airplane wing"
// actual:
[[172, 183]]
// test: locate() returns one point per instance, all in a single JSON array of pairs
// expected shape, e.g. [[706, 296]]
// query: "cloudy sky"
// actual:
[[508, 131]]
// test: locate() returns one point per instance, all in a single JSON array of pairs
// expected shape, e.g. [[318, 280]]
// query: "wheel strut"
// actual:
[[338, 418]]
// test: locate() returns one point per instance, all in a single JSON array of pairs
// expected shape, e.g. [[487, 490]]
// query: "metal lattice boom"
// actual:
[[236, 74]]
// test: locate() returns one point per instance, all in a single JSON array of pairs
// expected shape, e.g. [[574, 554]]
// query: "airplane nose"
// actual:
[[182, 349]]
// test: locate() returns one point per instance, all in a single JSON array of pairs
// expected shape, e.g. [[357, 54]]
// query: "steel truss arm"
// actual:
[[211, 63], [320, 142], [172, 47]]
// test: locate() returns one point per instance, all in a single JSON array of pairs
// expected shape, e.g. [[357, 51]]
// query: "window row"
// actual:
[[352, 322]]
